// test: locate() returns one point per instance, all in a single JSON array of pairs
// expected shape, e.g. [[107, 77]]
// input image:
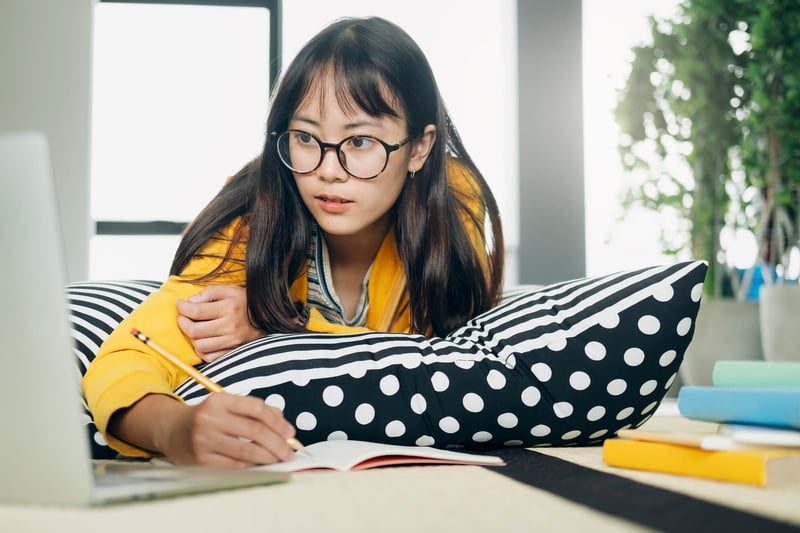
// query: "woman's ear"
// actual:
[[421, 148]]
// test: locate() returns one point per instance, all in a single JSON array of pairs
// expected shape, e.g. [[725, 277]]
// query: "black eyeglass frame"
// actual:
[[337, 147]]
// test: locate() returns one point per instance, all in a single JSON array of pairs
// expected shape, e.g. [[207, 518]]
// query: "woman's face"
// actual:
[[341, 204]]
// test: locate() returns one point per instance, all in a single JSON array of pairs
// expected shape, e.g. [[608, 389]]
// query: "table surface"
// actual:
[[409, 498]]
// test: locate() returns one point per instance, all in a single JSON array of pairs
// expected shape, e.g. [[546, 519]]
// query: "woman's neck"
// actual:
[[350, 259]]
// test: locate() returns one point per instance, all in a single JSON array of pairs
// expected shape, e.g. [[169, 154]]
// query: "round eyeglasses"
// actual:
[[362, 156]]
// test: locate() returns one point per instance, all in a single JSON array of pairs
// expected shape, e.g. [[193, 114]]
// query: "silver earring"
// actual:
[[413, 173]]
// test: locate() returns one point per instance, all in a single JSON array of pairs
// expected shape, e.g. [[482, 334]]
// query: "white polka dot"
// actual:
[[332, 395], [495, 379], [540, 430], [608, 319], [482, 436], [598, 434], [465, 364], [389, 385], [472, 402], [570, 435], [418, 403], [669, 382], [425, 440], [697, 292], [648, 387], [511, 362], [625, 413], [449, 424], [667, 358], [395, 428], [579, 380], [664, 292], [305, 421], [558, 343], [562, 409], [649, 325], [633, 356], [649, 408], [512, 443], [411, 363], [596, 413], [531, 396], [301, 380], [337, 435], [507, 420], [684, 326], [99, 439], [365, 413], [358, 372], [616, 387], [542, 372], [595, 351], [440, 381], [276, 401], [641, 423]]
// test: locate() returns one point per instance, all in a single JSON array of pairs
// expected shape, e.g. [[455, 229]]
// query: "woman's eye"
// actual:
[[362, 143], [303, 137]]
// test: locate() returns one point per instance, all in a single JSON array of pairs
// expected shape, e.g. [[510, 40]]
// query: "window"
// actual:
[[179, 104], [613, 242]]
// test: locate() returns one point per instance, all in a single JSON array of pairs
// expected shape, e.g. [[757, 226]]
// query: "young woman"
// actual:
[[363, 212]]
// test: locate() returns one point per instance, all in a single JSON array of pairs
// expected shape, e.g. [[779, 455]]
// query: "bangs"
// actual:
[[357, 85]]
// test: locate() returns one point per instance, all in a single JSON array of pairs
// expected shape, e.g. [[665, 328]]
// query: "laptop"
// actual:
[[45, 456]]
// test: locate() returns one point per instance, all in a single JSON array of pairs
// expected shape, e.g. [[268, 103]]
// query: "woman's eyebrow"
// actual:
[[355, 124]]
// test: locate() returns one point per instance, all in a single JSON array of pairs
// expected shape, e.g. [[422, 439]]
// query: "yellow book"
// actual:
[[761, 467]]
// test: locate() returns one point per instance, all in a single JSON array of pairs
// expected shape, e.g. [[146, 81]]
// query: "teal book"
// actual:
[[756, 373], [777, 407]]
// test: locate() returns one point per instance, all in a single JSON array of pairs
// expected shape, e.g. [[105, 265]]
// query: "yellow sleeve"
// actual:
[[125, 370]]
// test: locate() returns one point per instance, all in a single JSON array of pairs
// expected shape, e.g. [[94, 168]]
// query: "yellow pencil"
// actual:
[[199, 377]]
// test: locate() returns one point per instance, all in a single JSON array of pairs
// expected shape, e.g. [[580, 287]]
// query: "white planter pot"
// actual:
[[724, 329], [780, 322]]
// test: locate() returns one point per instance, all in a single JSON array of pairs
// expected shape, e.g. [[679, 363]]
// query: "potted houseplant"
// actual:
[[693, 140], [771, 158]]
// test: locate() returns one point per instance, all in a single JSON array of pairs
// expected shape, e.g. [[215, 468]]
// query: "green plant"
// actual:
[[709, 123], [771, 140]]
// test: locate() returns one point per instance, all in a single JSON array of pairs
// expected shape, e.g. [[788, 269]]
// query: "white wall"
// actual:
[[45, 63]]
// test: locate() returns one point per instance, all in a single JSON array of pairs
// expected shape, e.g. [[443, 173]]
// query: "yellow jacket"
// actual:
[[124, 370]]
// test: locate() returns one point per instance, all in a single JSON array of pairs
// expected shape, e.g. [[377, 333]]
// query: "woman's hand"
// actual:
[[222, 431], [229, 431], [216, 320]]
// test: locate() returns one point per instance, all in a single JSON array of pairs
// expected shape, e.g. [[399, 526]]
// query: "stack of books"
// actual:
[[756, 405]]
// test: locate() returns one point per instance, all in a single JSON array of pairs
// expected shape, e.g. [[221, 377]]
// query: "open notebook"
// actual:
[[44, 452], [359, 455]]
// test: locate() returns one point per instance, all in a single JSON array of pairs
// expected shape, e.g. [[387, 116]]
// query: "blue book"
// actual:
[[778, 407]]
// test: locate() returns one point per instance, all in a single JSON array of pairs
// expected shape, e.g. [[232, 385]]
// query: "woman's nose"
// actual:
[[331, 168]]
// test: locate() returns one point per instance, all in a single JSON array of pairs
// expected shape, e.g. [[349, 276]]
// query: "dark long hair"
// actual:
[[448, 279]]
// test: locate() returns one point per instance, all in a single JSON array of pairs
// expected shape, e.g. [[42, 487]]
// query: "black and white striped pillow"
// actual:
[[566, 364], [95, 309]]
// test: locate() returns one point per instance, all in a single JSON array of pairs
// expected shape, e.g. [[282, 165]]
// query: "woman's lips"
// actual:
[[333, 204]]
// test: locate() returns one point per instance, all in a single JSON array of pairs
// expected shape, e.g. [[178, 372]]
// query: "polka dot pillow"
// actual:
[[566, 364]]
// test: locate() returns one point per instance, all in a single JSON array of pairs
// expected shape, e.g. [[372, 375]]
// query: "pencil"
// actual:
[[200, 378]]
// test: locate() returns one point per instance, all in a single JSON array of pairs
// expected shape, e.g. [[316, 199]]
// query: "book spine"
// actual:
[[739, 467], [756, 374], [760, 406]]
